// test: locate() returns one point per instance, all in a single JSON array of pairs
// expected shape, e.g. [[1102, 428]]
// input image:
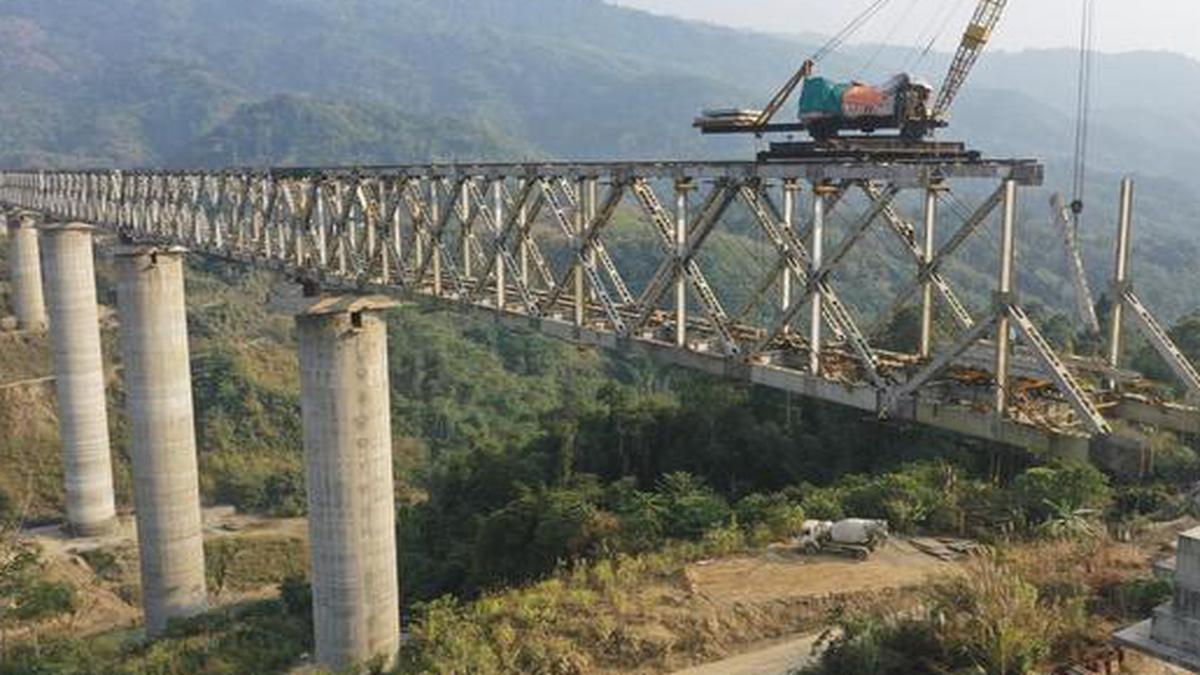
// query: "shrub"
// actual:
[[8, 512], [296, 594], [643, 521], [875, 645], [1174, 461], [257, 483], [823, 504], [42, 600], [775, 514], [989, 621], [1137, 598], [723, 541], [1044, 491], [994, 618], [692, 508]]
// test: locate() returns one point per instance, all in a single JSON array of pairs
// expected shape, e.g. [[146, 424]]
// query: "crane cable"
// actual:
[[1083, 104], [887, 38], [850, 29], [918, 55]]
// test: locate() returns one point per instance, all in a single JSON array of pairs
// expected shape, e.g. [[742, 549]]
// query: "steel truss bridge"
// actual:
[[533, 244]]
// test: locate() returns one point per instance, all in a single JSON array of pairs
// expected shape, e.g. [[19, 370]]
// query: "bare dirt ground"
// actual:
[[783, 573], [107, 599], [816, 586]]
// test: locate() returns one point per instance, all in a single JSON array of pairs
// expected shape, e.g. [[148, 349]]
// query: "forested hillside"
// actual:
[[307, 82]]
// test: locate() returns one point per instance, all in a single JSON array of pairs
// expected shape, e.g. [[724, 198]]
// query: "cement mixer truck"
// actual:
[[852, 537]]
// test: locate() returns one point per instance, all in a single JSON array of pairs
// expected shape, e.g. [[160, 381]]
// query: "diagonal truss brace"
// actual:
[[530, 245], [939, 364], [664, 227], [861, 346], [907, 235], [1058, 371], [416, 206], [968, 228], [669, 269], [1066, 383], [601, 251], [793, 256], [582, 242], [1162, 342], [501, 233]]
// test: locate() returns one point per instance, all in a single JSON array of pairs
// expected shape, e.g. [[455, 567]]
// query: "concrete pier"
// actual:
[[70, 288], [25, 271], [1173, 633], [348, 455], [158, 383]]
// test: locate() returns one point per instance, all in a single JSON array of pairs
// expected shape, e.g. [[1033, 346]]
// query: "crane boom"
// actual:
[[974, 40], [781, 97]]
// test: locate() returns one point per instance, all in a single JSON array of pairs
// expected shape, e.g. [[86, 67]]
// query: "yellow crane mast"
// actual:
[[974, 41]]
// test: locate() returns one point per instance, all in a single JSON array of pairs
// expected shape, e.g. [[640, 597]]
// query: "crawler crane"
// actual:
[[903, 105]]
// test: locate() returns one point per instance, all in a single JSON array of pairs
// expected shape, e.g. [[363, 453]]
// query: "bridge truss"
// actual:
[[621, 256]]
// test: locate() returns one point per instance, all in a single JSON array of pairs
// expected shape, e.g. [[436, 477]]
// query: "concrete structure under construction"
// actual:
[[1173, 633], [25, 271], [70, 290], [348, 455], [159, 393]]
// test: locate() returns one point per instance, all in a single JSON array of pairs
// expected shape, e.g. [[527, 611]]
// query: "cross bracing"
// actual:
[[545, 245]]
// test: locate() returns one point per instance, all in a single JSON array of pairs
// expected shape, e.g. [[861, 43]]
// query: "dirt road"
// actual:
[[776, 658]]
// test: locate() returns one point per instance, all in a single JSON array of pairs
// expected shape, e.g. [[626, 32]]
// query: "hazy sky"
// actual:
[[1121, 25]]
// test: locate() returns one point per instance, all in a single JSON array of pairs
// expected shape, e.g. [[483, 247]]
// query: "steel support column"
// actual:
[[681, 248], [498, 206], [925, 347], [465, 210], [1004, 294], [790, 189], [523, 227], [1121, 272], [580, 295], [816, 263], [435, 217]]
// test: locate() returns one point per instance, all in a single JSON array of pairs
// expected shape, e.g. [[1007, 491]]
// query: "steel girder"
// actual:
[[544, 234]]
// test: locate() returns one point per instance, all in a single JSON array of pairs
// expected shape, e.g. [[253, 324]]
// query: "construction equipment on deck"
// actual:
[[903, 104]]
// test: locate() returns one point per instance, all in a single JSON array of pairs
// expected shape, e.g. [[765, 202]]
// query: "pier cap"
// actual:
[[51, 228], [22, 218], [346, 304], [138, 250]]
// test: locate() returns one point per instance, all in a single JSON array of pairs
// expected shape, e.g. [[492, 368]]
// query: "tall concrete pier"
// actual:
[[158, 383], [348, 454], [70, 287], [25, 271]]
